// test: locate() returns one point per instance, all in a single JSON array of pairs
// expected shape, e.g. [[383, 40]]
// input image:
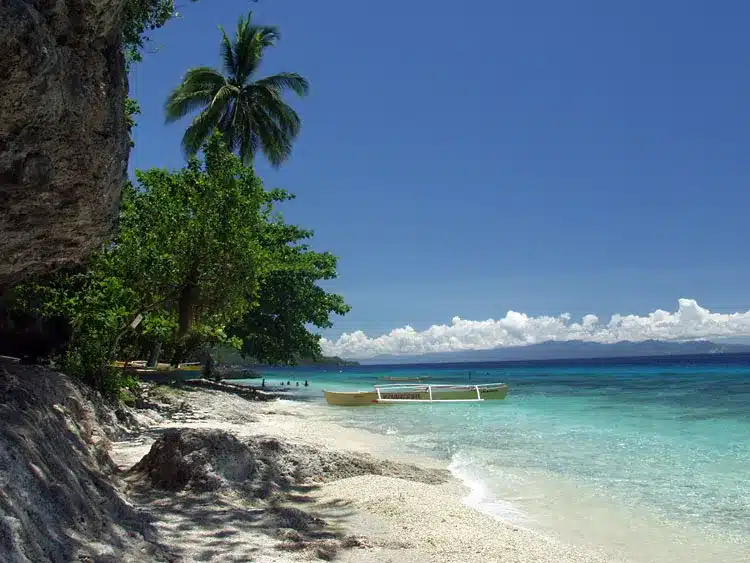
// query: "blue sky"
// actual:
[[464, 159]]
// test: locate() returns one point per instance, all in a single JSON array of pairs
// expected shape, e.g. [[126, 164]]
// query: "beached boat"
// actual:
[[388, 394], [141, 366]]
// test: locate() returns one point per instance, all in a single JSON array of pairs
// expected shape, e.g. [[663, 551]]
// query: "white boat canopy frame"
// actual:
[[417, 388]]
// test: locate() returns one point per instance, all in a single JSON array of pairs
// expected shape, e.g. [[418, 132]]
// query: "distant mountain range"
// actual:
[[327, 360], [569, 350]]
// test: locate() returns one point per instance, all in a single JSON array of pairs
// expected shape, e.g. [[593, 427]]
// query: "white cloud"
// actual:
[[689, 322]]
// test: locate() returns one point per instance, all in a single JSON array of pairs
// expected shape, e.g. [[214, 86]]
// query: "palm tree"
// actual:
[[250, 113]]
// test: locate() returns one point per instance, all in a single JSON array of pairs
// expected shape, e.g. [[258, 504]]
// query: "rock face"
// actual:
[[58, 499], [209, 460], [63, 135]]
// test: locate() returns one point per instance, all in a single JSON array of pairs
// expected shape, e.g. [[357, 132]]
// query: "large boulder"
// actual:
[[209, 460], [63, 136]]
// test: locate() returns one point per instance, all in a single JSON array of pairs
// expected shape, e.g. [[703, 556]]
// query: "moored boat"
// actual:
[[389, 394]]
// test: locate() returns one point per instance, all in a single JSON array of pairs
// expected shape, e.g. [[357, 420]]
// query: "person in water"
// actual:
[[288, 382], [263, 383], [306, 383], [298, 384]]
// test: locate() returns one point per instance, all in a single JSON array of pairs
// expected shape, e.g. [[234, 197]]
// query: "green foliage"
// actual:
[[189, 238], [96, 304], [250, 113], [127, 396], [132, 108], [201, 261], [127, 389], [276, 331], [141, 17]]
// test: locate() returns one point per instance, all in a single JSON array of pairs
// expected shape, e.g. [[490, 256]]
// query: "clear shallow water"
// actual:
[[649, 461]]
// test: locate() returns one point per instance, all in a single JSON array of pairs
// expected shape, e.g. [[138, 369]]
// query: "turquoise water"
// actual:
[[646, 461]]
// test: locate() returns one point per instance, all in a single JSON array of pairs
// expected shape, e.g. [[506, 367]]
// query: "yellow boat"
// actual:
[[389, 394]]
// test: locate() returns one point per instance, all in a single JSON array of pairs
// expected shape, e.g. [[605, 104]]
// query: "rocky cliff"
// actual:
[[59, 496], [63, 136]]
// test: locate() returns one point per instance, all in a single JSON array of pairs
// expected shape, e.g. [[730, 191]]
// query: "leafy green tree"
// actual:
[[191, 238], [277, 330], [251, 113], [201, 261], [96, 305], [188, 250]]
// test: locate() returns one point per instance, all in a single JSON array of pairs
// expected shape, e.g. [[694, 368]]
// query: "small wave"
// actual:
[[480, 496], [294, 402]]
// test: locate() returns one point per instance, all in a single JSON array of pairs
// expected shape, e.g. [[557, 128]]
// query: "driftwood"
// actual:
[[244, 391]]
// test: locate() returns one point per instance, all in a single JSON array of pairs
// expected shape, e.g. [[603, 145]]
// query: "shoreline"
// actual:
[[395, 518], [195, 474], [567, 511]]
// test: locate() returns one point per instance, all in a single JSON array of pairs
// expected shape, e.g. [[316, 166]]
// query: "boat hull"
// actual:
[[362, 398], [347, 399]]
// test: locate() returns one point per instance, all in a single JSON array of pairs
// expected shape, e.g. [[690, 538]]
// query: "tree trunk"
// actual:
[[177, 356], [153, 359], [208, 365], [186, 304]]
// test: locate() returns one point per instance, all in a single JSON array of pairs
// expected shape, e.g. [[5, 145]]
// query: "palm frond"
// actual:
[[245, 128], [226, 123], [198, 88], [205, 123], [227, 54], [251, 115], [282, 113], [203, 75], [249, 45], [286, 81], [275, 138], [266, 35]]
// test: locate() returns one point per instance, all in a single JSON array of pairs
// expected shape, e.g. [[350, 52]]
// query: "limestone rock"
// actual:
[[58, 495], [63, 136], [209, 460]]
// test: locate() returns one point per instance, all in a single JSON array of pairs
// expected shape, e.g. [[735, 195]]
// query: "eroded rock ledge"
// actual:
[[59, 499], [63, 136]]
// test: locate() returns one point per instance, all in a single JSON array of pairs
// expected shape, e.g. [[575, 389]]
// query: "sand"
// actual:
[[383, 518]]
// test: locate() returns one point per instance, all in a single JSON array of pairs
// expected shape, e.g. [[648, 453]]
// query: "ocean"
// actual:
[[647, 460]]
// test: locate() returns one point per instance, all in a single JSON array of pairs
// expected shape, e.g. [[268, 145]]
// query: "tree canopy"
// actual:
[[201, 258], [191, 238], [276, 330], [250, 112]]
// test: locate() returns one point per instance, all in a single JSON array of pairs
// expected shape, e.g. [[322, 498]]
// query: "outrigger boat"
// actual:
[[387, 394]]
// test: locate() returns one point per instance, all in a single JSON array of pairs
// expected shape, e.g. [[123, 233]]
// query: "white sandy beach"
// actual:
[[394, 519]]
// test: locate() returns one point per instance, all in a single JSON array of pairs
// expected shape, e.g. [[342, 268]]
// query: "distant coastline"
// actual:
[[328, 361], [234, 359], [575, 351], [741, 358]]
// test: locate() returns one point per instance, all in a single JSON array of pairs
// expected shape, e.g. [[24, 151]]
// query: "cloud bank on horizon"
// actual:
[[689, 322]]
